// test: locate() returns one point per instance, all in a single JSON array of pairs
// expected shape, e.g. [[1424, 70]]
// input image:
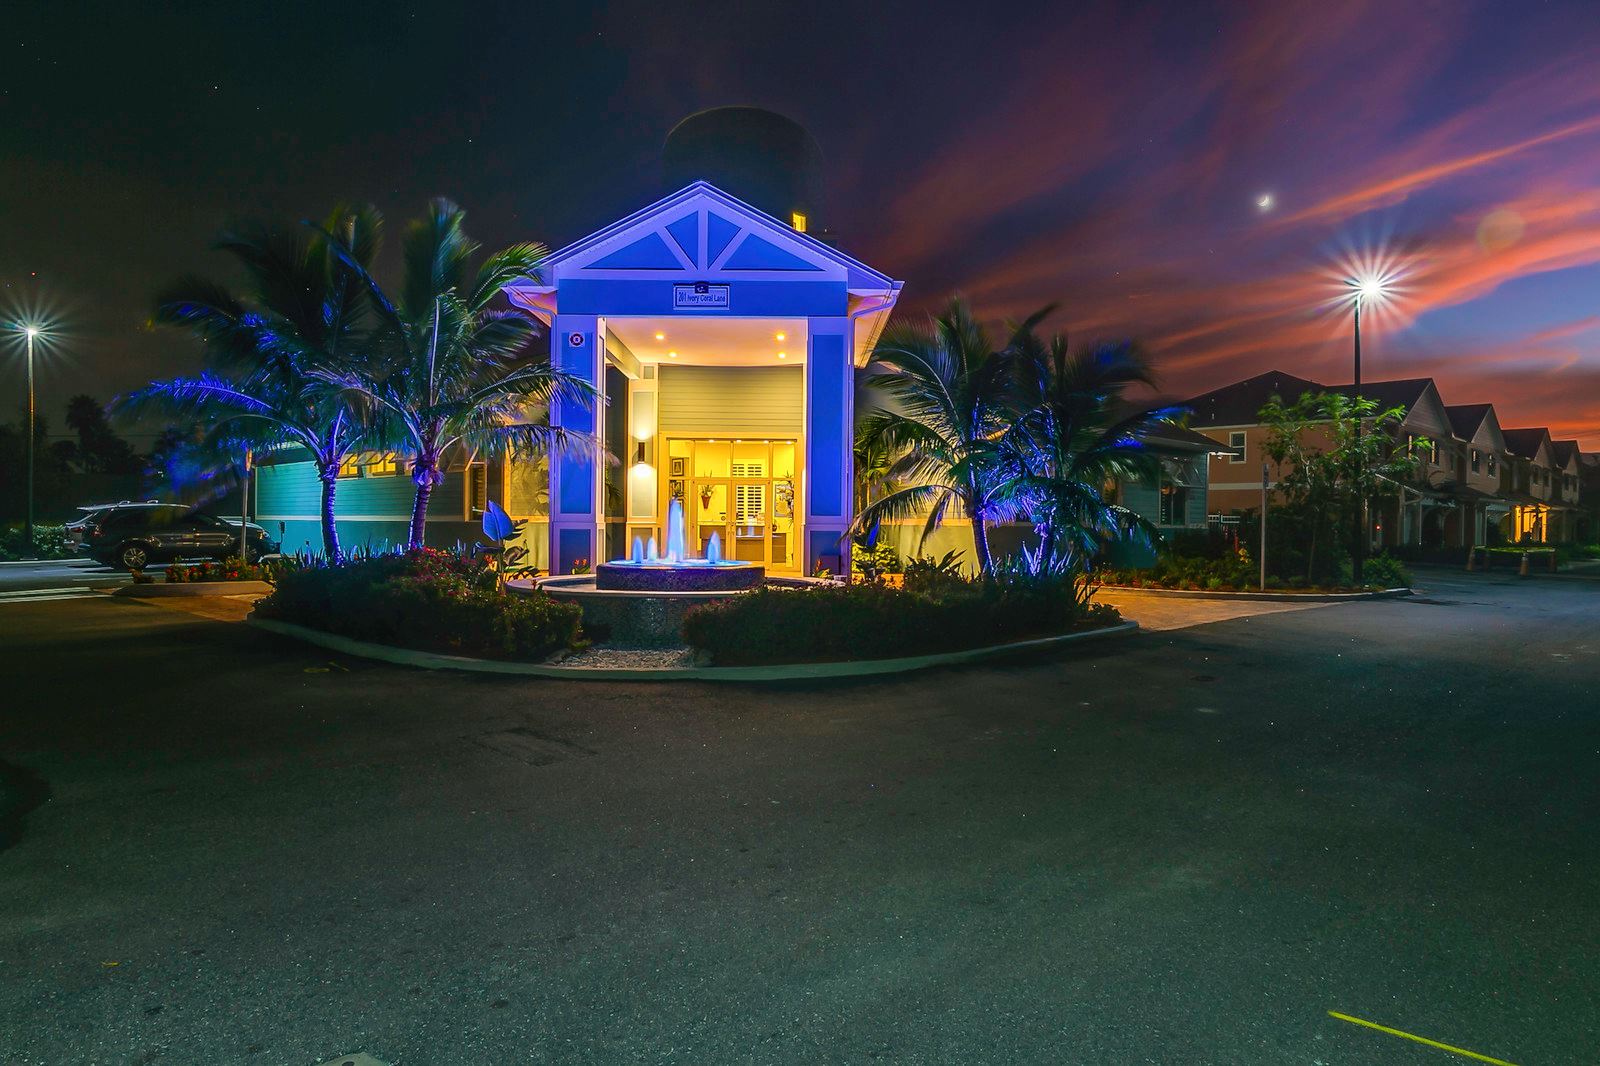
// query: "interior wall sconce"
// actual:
[[638, 454]]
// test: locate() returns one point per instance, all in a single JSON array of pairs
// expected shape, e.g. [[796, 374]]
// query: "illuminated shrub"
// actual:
[[851, 622], [424, 599]]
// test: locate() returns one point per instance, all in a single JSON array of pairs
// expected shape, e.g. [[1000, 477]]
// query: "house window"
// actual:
[[1476, 460], [1236, 446], [1492, 464], [1423, 446], [1176, 482], [477, 489], [1174, 504], [369, 464], [798, 221]]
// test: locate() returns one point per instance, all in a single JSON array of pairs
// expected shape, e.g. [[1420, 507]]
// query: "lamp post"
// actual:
[[27, 528], [1373, 288]]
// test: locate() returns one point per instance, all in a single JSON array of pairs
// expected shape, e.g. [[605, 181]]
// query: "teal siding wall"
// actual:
[[371, 513], [1143, 497]]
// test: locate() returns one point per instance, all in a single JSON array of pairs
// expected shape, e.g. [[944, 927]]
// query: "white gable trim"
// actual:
[[705, 200]]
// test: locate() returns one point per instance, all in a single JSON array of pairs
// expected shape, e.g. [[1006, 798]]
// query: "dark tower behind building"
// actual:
[[759, 156]]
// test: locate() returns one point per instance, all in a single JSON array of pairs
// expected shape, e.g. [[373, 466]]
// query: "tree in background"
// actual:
[[1325, 469], [447, 367], [51, 470], [98, 449]]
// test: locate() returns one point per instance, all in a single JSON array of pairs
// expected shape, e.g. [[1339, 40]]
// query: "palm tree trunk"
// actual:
[[980, 545], [329, 475], [424, 473]]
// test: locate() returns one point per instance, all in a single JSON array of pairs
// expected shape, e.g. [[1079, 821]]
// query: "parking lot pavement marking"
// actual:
[[46, 595], [1419, 1039]]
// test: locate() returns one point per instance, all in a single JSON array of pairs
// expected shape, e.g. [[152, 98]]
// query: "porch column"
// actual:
[[577, 346], [830, 437]]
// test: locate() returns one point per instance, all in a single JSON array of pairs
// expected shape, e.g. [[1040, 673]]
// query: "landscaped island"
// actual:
[[429, 600]]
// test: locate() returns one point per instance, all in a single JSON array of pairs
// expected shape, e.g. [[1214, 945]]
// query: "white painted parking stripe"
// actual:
[[43, 595]]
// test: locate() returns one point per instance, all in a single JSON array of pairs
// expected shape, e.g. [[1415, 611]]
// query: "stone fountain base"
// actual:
[[627, 618], [665, 577]]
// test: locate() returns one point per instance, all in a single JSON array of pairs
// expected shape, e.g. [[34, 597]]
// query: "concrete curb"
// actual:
[[1278, 597], [788, 672], [163, 590]]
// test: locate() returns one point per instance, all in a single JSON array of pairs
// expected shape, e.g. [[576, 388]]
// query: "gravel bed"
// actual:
[[606, 657]]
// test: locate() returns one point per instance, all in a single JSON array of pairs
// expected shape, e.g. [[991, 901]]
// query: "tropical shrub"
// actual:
[[49, 542], [1385, 572], [425, 599], [1233, 571], [853, 622], [874, 562], [935, 577]]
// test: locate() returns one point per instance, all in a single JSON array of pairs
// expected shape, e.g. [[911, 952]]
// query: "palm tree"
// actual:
[[1079, 437], [951, 411], [447, 366], [306, 311]]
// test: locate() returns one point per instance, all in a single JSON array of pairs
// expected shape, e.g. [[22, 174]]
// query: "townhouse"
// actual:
[[1476, 483]]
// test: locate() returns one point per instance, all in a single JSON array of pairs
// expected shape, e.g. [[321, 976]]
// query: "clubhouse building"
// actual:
[[723, 342]]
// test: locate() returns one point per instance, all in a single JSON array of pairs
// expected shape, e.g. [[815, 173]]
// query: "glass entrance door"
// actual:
[[742, 490]]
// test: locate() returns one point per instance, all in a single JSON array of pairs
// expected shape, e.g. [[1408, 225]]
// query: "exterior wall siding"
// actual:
[[370, 512], [732, 400]]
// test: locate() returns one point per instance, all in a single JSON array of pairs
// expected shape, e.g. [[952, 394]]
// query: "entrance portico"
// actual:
[[724, 345]]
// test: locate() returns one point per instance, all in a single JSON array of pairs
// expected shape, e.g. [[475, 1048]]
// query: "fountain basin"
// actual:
[[689, 576], [623, 618]]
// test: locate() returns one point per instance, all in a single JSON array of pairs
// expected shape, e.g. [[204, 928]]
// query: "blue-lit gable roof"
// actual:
[[699, 229]]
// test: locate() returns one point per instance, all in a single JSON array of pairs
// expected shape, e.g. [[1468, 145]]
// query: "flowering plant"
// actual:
[[231, 569]]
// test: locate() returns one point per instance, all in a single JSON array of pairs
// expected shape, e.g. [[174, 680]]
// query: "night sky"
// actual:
[[1109, 157]]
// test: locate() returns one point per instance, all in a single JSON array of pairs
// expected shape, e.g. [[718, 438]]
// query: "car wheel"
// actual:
[[133, 557]]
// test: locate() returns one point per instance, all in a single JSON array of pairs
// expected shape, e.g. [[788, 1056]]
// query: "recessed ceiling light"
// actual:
[[783, 355], [661, 336], [782, 336], [672, 355]]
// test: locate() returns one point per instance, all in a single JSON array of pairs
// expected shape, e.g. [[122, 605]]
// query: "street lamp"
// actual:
[[27, 529], [1369, 288]]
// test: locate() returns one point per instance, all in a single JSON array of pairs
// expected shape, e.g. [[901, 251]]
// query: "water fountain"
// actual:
[[641, 600], [647, 570]]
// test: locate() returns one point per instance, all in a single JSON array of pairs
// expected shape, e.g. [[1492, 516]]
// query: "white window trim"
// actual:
[[1236, 458]]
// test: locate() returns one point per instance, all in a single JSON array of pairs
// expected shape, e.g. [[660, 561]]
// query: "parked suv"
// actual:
[[134, 535]]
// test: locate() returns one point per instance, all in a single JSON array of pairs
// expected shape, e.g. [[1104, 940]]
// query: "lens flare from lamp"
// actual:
[[1375, 277]]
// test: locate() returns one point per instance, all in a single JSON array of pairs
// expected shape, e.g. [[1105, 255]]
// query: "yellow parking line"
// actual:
[[1419, 1039]]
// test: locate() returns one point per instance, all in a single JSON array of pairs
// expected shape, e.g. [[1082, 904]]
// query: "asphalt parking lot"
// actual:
[[1186, 847]]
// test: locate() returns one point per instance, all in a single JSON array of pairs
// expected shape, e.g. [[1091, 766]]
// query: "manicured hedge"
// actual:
[[49, 542], [429, 600], [1236, 572], [852, 622]]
